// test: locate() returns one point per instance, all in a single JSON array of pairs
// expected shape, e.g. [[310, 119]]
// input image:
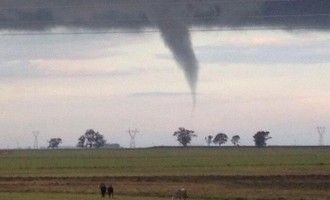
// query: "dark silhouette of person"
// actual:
[[110, 191], [103, 189]]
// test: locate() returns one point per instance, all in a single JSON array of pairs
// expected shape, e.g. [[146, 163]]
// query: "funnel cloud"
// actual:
[[173, 18]]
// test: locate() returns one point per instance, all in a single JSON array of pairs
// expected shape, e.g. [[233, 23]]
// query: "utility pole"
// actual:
[[35, 144], [321, 131], [132, 134]]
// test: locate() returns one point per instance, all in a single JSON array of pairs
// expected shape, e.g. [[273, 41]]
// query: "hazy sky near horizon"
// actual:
[[149, 68], [63, 85]]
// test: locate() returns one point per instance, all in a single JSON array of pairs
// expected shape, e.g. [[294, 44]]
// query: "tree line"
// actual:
[[184, 137], [90, 139], [93, 139]]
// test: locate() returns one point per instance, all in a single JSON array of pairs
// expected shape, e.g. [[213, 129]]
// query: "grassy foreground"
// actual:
[[154, 173], [51, 196]]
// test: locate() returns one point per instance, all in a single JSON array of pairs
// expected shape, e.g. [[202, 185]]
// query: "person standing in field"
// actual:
[[103, 189], [110, 191]]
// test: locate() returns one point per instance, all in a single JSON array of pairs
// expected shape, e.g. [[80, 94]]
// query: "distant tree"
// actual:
[[235, 140], [91, 139], [81, 141], [220, 139], [208, 140], [53, 143], [260, 138], [184, 136]]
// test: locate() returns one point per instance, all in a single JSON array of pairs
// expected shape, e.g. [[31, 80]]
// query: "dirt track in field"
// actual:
[[210, 187]]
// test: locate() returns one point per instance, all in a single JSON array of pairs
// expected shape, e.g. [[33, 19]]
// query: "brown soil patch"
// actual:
[[207, 187]]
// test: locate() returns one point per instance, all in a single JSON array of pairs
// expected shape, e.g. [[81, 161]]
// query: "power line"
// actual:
[[132, 134], [321, 130], [35, 143]]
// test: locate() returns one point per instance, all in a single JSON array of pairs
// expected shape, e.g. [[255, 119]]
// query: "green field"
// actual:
[[166, 161], [153, 173]]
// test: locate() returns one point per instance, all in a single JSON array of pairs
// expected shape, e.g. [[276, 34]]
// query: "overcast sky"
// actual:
[[252, 80]]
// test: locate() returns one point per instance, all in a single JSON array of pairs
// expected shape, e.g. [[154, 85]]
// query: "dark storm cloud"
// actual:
[[172, 17], [138, 14]]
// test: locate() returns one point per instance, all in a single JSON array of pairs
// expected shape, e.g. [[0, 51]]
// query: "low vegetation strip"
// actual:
[[59, 196], [325, 177]]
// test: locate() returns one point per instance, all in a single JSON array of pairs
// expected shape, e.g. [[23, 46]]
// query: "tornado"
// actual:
[[177, 38], [172, 21]]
